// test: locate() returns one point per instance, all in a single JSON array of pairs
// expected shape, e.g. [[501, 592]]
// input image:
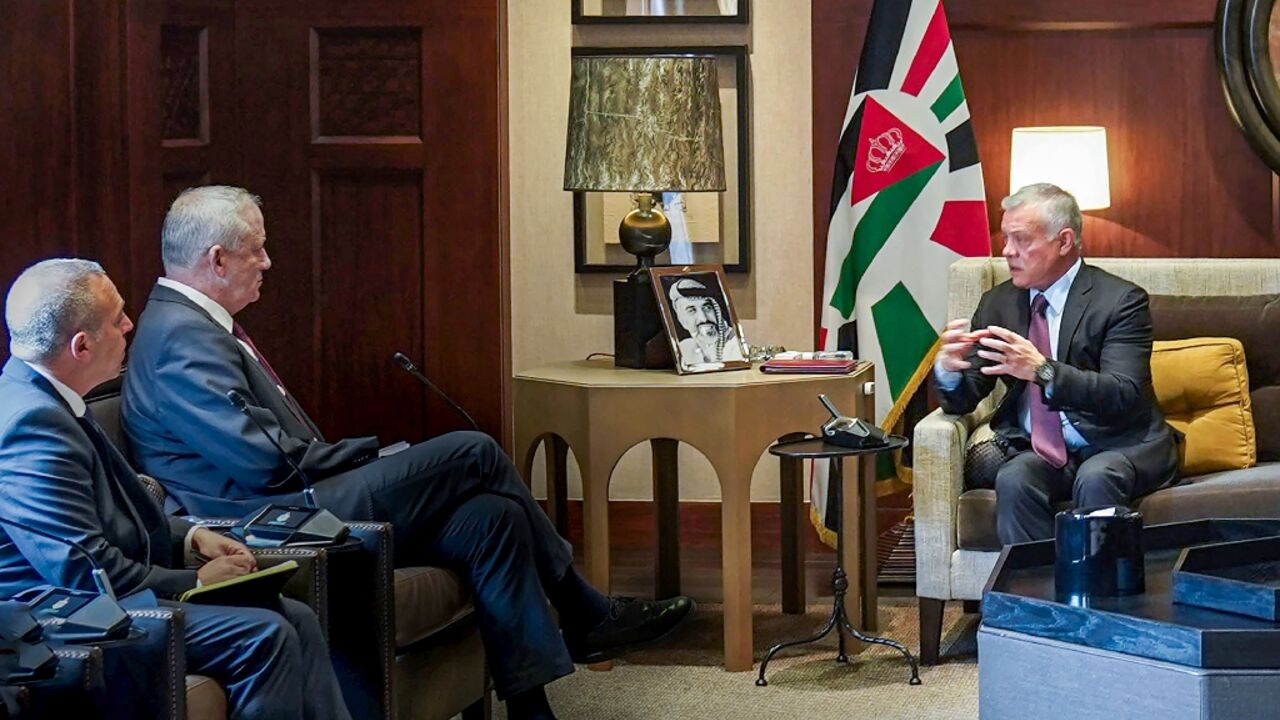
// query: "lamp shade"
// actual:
[[1072, 157], [644, 124]]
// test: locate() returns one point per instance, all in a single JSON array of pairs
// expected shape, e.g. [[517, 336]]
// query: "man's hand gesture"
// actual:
[[1012, 354], [956, 341]]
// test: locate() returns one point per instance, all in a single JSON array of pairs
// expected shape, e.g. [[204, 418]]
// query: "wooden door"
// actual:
[[372, 132]]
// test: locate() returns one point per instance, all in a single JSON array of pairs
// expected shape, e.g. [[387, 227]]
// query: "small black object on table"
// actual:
[[818, 449]]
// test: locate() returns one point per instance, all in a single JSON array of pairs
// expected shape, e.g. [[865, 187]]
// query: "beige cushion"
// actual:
[[205, 699], [427, 599], [1202, 387]]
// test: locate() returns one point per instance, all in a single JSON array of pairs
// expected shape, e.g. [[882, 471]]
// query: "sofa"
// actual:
[[955, 537], [404, 641]]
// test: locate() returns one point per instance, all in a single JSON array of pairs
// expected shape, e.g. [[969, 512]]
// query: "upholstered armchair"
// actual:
[[404, 642], [956, 544]]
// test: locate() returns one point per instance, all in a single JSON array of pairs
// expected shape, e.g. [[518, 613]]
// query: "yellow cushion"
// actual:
[[1202, 387]]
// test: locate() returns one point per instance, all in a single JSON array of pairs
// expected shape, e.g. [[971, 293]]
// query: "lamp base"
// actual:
[[638, 338]]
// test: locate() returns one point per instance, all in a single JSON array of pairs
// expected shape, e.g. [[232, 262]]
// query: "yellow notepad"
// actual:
[[259, 588]]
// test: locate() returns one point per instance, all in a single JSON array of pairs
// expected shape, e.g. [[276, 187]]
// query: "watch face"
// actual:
[[1045, 372]]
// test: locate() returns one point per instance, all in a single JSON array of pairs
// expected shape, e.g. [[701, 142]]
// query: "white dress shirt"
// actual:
[[1056, 295]]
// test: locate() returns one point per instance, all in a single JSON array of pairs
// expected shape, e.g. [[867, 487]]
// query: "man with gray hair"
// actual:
[[1072, 346], [455, 501], [61, 475]]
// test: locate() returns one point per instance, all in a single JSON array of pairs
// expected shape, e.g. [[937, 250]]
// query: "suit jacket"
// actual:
[[182, 430], [55, 478], [1102, 376]]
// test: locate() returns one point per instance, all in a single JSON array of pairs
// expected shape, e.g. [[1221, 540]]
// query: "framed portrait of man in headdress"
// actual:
[[699, 319]]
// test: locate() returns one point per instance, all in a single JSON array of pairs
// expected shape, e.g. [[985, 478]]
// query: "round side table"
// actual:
[[819, 449]]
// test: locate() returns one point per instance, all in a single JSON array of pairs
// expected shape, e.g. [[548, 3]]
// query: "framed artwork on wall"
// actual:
[[707, 228], [635, 12], [699, 319]]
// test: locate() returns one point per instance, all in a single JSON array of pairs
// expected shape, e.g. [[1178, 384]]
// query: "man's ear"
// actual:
[[79, 345], [1066, 241], [216, 255]]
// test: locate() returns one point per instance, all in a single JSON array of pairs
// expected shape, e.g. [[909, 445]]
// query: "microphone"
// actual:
[[403, 361], [242, 405], [275, 525], [77, 615]]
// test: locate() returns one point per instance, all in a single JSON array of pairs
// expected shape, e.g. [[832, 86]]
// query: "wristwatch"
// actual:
[[1044, 373]]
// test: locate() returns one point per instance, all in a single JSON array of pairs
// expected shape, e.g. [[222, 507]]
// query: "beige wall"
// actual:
[[559, 315]]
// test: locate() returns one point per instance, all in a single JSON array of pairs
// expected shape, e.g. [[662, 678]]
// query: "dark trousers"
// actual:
[[273, 665], [1028, 489], [456, 501]]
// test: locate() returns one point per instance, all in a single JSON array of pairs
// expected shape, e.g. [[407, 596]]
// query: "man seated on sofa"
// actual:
[[1072, 345], [455, 501], [60, 474]]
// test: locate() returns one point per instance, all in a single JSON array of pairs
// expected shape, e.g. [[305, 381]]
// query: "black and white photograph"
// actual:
[[699, 319]]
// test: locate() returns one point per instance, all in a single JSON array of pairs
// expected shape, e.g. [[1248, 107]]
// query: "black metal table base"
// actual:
[[840, 584]]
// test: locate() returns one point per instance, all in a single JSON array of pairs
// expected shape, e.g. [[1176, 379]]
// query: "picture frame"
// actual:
[[718, 225], [699, 319], [649, 12]]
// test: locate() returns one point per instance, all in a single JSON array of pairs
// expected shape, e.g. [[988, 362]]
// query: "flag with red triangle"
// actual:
[[907, 200]]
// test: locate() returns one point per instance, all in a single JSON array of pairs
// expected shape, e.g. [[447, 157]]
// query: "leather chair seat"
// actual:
[[205, 699], [428, 600]]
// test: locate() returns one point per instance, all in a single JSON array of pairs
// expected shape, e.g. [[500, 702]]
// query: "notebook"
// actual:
[[828, 367], [257, 589]]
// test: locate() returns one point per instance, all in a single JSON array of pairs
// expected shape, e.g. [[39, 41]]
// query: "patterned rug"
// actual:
[[682, 677]]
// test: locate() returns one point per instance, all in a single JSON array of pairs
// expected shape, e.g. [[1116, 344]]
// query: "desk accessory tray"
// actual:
[[1241, 577]]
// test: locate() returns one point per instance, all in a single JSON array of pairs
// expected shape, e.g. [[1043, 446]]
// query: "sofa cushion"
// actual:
[[1254, 320], [206, 699], [1250, 493], [1202, 387], [428, 599]]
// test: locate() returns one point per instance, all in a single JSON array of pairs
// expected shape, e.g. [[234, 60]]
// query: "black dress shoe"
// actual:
[[631, 624]]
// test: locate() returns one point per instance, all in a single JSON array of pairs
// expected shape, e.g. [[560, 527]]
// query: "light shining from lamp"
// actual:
[[1072, 157]]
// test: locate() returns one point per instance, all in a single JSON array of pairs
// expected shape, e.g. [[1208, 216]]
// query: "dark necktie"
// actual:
[[237, 330], [1046, 425], [108, 456]]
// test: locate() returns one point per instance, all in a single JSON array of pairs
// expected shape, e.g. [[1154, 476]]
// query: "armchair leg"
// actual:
[[930, 629]]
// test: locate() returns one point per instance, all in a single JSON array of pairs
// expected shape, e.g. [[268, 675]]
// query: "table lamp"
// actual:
[[1072, 157], [644, 125]]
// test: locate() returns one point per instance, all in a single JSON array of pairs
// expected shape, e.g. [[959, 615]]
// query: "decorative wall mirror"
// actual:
[[1248, 48]]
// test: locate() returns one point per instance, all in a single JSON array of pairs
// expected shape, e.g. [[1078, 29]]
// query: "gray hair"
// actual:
[[201, 218], [49, 303], [1057, 208]]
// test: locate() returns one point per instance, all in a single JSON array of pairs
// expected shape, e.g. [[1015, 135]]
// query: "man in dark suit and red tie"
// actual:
[[1072, 346], [455, 501]]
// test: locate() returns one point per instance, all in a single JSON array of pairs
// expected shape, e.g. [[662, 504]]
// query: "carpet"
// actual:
[[681, 677]]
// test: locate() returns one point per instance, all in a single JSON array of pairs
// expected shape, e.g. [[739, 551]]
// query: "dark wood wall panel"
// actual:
[[1184, 182], [370, 301], [372, 130]]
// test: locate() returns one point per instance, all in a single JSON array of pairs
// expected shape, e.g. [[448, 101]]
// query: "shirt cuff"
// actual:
[[947, 380], [189, 554]]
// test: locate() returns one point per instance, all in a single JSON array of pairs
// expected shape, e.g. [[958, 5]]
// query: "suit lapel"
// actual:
[[1077, 303]]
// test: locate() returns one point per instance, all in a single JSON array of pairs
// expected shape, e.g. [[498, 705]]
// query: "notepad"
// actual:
[[257, 589]]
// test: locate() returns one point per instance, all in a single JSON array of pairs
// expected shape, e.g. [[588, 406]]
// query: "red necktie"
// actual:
[[237, 330], [1046, 425]]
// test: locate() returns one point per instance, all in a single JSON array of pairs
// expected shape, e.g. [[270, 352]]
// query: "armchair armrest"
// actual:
[[152, 666], [938, 451], [75, 690]]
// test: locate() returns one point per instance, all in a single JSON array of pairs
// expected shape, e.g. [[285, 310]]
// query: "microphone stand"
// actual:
[[404, 362]]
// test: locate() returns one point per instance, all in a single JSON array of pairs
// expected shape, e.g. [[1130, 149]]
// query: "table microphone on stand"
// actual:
[[276, 525], [403, 361], [77, 616]]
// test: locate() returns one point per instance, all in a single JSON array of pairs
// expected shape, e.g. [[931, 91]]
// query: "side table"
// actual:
[[601, 411], [818, 449]]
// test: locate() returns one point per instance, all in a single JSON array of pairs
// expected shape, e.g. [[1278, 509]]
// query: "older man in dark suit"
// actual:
[[454, 501], [60, 474], [1072, 346]]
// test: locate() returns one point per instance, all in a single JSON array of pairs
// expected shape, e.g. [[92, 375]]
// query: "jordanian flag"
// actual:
[[907, 200]]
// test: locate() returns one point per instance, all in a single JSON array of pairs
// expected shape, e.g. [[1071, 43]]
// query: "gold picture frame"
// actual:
[[698, 317]]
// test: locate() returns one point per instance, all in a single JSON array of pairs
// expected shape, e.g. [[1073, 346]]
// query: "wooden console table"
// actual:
[[602, 411]]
